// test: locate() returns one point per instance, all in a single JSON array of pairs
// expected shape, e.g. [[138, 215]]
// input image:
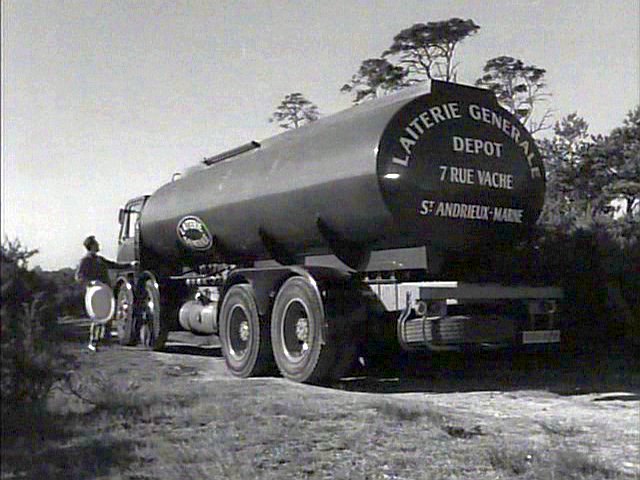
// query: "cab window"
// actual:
[[130, 217]]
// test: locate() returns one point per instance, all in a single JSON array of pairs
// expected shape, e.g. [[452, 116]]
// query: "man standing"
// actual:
[[94, 267]]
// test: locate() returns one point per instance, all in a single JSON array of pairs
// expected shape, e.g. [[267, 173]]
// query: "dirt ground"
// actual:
[[458, 416], [595, 409]]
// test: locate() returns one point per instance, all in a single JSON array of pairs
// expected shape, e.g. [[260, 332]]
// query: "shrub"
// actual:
[[31, 358], [69, 294], [529, 461], [601, 277]]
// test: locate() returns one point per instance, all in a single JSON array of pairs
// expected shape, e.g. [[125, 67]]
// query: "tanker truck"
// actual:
[[298, 250]]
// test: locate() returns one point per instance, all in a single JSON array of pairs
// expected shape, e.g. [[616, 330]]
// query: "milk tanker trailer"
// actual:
[[296, 249]]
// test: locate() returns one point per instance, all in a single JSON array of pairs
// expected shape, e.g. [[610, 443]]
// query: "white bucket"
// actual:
[[99, 302]]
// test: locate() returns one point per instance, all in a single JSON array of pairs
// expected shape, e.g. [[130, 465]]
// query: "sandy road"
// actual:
[[605, 425]]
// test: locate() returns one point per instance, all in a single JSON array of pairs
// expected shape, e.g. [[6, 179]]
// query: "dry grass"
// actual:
[[534, 462], [556, 428], [142, 418]]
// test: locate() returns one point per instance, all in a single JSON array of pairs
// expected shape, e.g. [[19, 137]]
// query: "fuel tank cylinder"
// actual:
[[441, 165], [194, 316]]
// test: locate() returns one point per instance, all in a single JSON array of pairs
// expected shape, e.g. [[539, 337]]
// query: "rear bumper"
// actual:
[[455, 332], [447, 315]]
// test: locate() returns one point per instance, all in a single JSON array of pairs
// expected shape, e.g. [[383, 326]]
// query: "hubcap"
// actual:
[[239, 331], [302, 329], [244, 331], [296, 332]]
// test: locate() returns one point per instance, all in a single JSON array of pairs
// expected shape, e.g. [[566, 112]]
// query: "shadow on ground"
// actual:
[[558, 372], [615, 373], [195, 350], [39, 446], [624, 397]]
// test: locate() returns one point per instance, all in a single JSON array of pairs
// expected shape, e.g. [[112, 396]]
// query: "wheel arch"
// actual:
[[147, 275]]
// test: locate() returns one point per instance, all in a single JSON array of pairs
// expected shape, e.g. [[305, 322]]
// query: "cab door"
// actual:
[[128, 240]]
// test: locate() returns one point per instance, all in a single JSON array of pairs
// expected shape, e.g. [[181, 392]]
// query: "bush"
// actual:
[[601, 278], [31, 358], [69, 294]]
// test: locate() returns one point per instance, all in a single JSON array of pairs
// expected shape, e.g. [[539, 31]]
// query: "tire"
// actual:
[[152, 329], [244, 335], [296, 334], [124, 319]]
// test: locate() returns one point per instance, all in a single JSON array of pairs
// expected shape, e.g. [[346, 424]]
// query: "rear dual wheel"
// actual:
[[307, 345]]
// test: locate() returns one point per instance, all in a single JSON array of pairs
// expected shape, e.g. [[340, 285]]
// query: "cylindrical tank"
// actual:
[[443, 166], [194, 316]]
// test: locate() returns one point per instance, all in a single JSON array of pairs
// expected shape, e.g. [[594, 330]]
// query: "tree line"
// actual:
[[427, 51]]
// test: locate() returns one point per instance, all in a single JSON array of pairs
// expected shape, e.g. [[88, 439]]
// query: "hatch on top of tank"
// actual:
[[220, 157], [436, 87], [234, 152]]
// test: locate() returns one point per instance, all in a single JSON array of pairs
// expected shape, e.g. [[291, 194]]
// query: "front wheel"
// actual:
[[153, 331]]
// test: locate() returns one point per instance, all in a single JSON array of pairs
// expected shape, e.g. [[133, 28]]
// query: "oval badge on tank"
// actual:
[[194, 234]]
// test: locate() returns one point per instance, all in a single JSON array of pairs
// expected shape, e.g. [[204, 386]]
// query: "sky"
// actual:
[[103, 101]]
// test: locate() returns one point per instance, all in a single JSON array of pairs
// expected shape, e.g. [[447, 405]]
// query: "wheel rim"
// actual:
[[295, 334], [239, 332], [147, 317], [123, 311]]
